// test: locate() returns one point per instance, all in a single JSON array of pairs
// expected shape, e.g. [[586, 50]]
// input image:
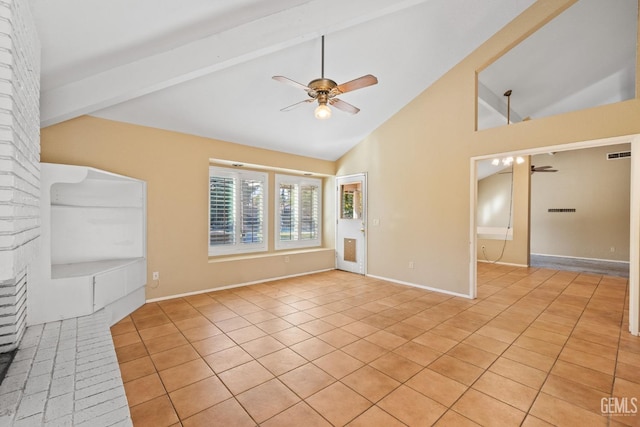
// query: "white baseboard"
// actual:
[[415, 285], [582, 258], [222, 288], [510, 264], [400, 282]]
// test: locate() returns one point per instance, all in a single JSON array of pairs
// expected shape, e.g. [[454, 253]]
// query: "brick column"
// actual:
[[19, 163]]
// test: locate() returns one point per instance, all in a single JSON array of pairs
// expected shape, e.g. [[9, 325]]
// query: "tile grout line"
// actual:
[[233, 396], [615, 366], [505, 350], [388, 351], [167, 393], [564, 346], [539, 390]]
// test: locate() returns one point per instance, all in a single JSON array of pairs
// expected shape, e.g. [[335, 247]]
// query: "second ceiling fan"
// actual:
[[542, 169], [325, 91], [535, 169]]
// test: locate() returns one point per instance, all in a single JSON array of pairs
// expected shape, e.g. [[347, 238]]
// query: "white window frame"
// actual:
[[239, 247], [298, 181]]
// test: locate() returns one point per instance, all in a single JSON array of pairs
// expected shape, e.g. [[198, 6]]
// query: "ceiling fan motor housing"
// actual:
[[321, 86]]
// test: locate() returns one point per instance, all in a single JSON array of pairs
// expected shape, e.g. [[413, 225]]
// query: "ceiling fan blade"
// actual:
[[344, 106], [542, 167], [297, 104], [358, 83], [545, 170], [291, 82]]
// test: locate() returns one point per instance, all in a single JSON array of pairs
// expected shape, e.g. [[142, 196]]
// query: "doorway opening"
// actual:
[[634, 214], [351, 223]]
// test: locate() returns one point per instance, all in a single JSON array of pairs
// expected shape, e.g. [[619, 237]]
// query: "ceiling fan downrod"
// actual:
[[508, 95], [322, 61]]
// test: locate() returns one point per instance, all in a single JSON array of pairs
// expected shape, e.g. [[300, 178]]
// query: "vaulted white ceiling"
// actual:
[[585, 57], [204, 67]]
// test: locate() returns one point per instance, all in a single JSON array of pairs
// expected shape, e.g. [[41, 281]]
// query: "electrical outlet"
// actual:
[[411, 264], [613, 248], [286, 259], [156, 275]]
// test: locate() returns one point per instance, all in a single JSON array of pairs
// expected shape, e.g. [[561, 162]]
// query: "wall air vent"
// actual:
[[618, 155], [562, 210]]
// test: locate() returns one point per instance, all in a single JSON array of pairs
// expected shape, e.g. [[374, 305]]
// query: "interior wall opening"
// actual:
[[554, 227], [584, 57]]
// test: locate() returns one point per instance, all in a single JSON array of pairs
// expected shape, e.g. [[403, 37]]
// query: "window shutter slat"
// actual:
[[251, 211], [309, 212], [288, 230], [299, 212], [222, 212], [237, 211]]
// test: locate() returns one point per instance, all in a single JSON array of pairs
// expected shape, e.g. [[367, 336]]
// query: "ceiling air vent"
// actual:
[[618, 155]]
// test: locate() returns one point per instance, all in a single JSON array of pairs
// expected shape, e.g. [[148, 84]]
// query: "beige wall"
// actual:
[[419, 163], [516, 249], [599, 191], [175, 167], [494, 195], [596, 187]]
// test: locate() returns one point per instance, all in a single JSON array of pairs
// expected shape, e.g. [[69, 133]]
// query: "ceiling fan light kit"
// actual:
[[322, 112], [324, 91]]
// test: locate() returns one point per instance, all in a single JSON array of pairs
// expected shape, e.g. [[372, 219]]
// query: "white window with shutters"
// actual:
[[298, 212], [237, 211]]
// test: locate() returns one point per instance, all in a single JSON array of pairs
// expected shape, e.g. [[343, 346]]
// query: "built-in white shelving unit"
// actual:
[[93, 245]]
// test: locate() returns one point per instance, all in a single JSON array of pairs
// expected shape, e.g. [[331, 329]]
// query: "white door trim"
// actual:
[[634, 237], [365, 221]]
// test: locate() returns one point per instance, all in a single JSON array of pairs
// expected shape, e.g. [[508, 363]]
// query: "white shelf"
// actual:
[[78, 269], [93, 245], [63, 206]]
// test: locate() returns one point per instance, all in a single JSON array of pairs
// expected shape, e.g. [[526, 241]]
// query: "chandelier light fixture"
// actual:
[[507, 161]]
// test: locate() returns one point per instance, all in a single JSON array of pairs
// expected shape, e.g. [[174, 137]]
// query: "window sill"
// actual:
[[495, 233], [243, 257]]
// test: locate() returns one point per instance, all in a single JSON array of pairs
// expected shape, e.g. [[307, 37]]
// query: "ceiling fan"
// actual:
[[325, 91], [535, 168]]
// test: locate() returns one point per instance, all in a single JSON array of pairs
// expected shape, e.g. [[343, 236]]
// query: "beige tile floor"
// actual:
[[536, 348]]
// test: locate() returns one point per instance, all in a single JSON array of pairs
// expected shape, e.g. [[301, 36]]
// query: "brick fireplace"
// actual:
[[19, 164]]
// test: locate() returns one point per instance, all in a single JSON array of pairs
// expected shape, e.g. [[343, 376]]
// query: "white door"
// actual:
[[351, 204]]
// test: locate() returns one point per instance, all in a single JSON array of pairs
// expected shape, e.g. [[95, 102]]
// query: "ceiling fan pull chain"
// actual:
[[322, 65], [508, 95]]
